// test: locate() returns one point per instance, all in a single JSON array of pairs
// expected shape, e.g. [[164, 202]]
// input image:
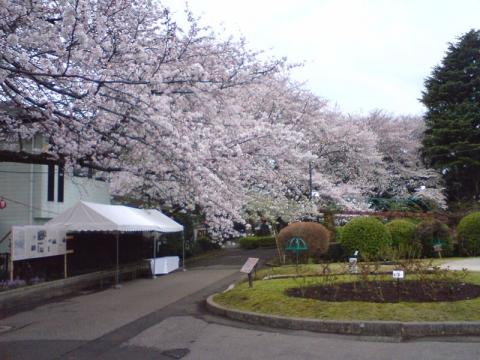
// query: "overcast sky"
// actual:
[[359, 54]]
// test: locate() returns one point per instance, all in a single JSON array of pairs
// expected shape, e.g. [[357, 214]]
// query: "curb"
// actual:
[[403, 330]]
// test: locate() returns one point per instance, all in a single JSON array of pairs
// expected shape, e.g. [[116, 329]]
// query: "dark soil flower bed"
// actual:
[[389, 292]]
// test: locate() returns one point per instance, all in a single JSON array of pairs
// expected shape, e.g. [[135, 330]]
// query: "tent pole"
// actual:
[[117, 271], [11, 269], [10, 258], [65, 268], [183, 251], [154, 275]]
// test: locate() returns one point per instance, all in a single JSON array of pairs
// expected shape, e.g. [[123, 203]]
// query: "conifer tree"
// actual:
[[452, 137]]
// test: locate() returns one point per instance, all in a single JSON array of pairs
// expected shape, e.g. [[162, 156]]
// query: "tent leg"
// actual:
[[11, 268], [183, 251], [10, 258], [117, 271], [154, 256]]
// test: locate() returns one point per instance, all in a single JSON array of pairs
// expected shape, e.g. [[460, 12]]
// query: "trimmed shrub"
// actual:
[[316, 236], [254, 242], [267, 242], [402, 231], [338, 233], [403, 238], [468, 234], [367, 235], [430, 232], [249, 242]]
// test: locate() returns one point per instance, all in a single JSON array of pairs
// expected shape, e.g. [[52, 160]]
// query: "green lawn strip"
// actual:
[[339, 267], [268, 297], [304, 269]]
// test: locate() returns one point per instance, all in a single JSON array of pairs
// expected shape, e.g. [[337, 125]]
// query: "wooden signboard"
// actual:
[[248, 267]]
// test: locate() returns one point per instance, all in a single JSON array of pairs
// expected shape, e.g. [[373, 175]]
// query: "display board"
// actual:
[[35, 241]]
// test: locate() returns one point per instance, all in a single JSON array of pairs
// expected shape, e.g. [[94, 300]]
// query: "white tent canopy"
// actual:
[[86, 216]]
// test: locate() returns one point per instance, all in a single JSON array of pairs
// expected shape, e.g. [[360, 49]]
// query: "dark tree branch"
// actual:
[[28, 158], [49, 159]]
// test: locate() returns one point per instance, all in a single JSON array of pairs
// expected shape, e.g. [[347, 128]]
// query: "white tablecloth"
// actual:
[[164, 265]]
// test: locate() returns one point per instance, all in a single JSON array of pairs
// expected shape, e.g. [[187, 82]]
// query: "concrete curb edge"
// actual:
[[368, 328]]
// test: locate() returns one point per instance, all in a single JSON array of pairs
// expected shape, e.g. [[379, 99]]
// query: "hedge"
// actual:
[[254, 242]]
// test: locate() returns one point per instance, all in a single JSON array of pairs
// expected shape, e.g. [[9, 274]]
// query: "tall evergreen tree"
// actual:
[[452, 138]]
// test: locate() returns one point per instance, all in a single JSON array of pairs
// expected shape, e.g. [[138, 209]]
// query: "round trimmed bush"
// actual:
[[430, 232], [316, 236], [402, 231], [468, 234], [403, 238], [367, 235]]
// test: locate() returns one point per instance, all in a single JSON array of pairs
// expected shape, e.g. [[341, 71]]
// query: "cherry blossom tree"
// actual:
[[117, 85], [399, 143], [68, 70], [223, 152], [347, 151], [98, 77], [184, 118]]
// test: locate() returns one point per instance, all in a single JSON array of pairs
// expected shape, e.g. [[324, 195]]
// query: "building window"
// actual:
[[61, 183], [51, 183]]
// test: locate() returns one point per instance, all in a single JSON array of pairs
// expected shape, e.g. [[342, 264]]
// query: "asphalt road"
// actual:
[[165, 319]]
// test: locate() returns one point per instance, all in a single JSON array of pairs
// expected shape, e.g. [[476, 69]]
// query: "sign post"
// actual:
[[247, 268], [438, 249], [296, 244], [398, 274]]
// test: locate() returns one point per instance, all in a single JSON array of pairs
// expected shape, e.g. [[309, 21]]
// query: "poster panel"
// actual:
[[35, 241]]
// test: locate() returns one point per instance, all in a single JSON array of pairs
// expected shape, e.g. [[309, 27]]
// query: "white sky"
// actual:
[[359, 54]]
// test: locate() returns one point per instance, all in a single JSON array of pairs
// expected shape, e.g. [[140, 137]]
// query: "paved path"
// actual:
[[231, 258], [165, 319], [472, 264], [209, 340]]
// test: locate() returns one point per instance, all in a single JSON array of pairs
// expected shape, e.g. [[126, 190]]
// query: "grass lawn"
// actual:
[[315, 269], [268, 297]]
